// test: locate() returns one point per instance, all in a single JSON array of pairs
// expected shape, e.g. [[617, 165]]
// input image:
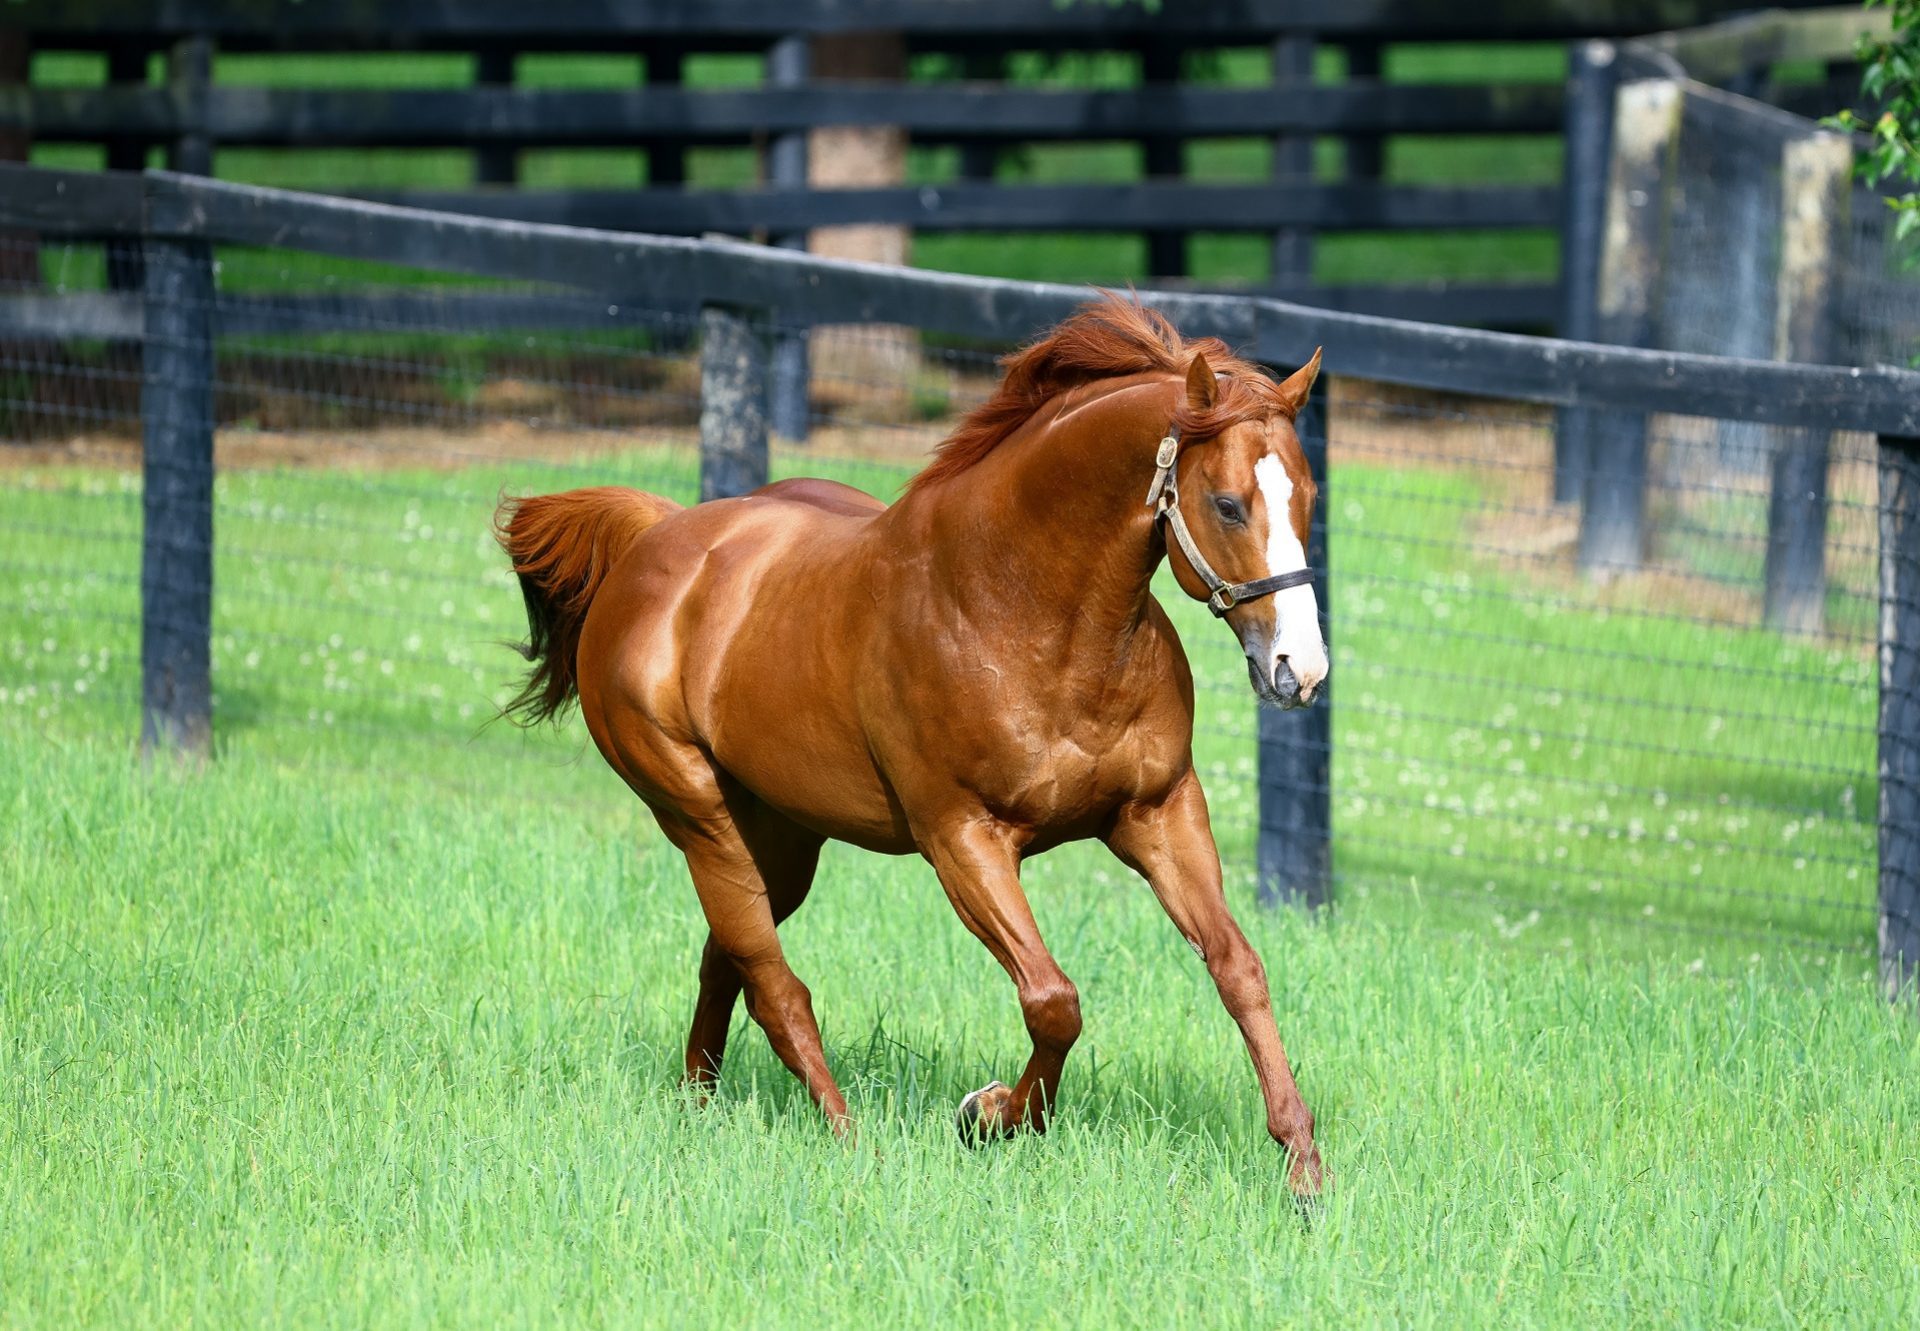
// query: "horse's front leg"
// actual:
[[1170, 844], [978, 863]]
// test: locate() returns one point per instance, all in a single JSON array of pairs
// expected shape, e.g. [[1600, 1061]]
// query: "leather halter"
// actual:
[[1163, 497]]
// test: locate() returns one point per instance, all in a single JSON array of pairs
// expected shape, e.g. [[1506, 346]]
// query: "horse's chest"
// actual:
[[1051, 771], [1027, 736]]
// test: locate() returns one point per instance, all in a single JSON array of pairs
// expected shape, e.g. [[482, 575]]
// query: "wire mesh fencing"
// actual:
[[367, 422], [1770, 249], [1536, 735], [1703, 220], [1551, 741]]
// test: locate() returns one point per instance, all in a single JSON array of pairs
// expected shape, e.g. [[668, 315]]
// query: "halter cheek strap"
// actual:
[[1163, 497]]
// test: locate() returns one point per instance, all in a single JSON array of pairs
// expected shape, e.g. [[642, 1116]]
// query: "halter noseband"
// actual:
[[1163, 497]]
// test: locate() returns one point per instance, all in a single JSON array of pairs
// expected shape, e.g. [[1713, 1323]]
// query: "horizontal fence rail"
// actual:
[[1545, 370], [574, 20], [531, 117], [1730, 52], [962, 207], [1513, 735]]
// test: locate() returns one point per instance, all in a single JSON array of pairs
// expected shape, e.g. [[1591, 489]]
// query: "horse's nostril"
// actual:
[[1285, 682]]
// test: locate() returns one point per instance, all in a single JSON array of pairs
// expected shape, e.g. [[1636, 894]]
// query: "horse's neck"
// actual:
[[1054, 523]]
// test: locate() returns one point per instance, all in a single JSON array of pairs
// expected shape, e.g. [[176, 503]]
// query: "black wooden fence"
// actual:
[[191, 115], [742, 290]]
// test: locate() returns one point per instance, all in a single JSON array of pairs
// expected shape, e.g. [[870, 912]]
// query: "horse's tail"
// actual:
[[562, 547]]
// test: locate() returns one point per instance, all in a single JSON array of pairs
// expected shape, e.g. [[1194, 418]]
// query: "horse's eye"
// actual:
[[1229, 510]]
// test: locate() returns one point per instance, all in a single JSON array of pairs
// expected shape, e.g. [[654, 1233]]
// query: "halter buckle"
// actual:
[[1161, 494]]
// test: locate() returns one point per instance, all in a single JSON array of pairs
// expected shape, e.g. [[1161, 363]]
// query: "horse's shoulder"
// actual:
[[1169, 654], [830, 496]]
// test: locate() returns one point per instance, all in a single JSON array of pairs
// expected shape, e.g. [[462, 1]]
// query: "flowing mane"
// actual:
[[1108, 338]]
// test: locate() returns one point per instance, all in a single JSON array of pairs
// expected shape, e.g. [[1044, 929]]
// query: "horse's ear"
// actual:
[[1298, 384], [1201, 386]]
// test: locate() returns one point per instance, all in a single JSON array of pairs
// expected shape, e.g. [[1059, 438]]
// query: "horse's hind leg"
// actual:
[[712, 1018], [787, 857], [740, 915]]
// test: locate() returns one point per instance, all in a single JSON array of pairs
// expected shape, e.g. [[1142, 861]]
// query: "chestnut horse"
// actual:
[[975, 673]]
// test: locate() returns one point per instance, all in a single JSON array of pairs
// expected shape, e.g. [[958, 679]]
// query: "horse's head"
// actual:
[[1246, 497]]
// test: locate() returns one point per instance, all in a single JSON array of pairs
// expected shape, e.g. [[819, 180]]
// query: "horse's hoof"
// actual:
[[1309, 1182], [981, 1114]]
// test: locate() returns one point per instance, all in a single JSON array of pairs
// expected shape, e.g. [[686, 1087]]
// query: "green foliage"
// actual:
[[931, 402], [1891, 80]]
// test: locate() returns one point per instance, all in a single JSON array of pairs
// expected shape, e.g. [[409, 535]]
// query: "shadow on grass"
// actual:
[[905, 1079]]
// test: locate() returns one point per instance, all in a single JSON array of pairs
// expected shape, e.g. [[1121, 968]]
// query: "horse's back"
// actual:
[[710, 565], [732, 537], [828, 496]]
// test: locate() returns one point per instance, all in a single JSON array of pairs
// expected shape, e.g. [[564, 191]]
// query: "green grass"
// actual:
[[1513, 753], [1614, 755], [292, 1047], [377, 1021]]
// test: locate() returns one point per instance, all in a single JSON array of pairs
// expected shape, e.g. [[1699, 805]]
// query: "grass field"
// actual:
[[1496, 757], [312, 1047], [377, 1021]]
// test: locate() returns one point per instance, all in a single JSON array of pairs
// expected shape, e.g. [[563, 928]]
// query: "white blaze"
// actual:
[[1296, 611]]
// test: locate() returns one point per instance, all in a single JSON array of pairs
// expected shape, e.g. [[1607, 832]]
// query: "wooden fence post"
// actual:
[[126, 65], [733, 401], [1366, 152], [189, 73], [16, 71], [1646, 132], [495, 163], [1592, 74], [1816, 178], [176, 554], [1162, 158], [665, 67], [980, 157], [1900, 715], [1292, 270], [788, 66], [1294, 850]]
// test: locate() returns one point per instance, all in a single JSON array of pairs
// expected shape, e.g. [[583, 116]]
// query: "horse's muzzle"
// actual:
[[1283, 690]]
